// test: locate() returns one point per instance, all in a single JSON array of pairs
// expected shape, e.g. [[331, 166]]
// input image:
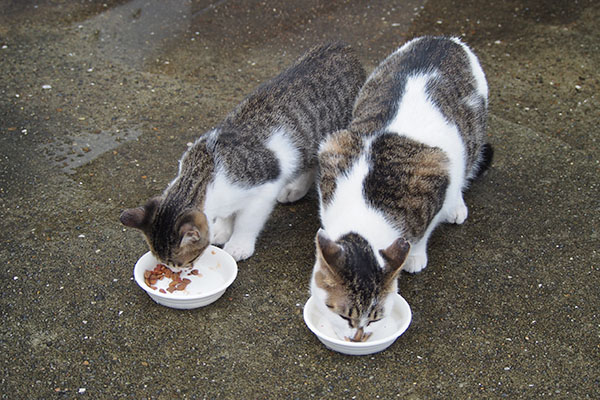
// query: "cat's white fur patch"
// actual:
[[293, 187], [285, 151], [224, 197], [419, 119], [250, 206], [349, 212]]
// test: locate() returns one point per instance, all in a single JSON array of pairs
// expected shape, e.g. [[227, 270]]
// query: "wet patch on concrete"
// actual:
[[137, 33], [70, 152]]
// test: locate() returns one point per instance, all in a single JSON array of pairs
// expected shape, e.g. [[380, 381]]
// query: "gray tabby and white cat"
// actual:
[[264, 151], [416, 139]]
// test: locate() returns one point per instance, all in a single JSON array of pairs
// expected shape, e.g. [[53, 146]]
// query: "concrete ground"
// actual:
[[98, 100]]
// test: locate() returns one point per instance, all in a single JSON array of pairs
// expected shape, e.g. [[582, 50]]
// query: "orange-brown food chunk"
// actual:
[[151, 276]]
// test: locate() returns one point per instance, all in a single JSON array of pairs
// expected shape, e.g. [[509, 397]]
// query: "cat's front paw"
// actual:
[[239, 250], [415, 263], [221, 231]]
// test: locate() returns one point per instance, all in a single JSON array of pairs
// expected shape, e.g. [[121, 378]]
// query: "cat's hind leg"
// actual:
[[297, 189], [456, 211], [416, 260]]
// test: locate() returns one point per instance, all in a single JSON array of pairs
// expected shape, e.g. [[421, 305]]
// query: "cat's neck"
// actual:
[[196, 172]]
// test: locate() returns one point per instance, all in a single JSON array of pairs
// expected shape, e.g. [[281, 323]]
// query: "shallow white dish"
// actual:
[[217, 270], [394, 326]]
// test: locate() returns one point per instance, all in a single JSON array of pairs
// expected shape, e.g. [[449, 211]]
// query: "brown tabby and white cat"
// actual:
[[416, 139], [264, 151]]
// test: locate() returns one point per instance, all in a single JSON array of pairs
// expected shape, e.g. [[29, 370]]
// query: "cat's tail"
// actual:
[[485, 160]]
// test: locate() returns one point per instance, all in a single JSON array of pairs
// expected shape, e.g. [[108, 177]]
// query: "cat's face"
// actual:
[[352, 287], [175, 238]]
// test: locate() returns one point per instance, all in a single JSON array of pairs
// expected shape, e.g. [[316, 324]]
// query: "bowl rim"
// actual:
[[359, 345], [169, 296]]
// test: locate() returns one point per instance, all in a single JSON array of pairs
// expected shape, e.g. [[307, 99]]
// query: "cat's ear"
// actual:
[[331, 258], [193, 230], [329, 249], [140, 217], [189, 235], [331, 252], [394, 256]]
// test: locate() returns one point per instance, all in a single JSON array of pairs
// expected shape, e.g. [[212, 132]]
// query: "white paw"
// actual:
[[458, 215], [220, 238], [290, 193], [415, 262], [221, 231], [239, 250], [296, 189]]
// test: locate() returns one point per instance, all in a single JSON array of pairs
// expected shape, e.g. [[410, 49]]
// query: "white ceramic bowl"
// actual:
[[217, 270], [394, 326]]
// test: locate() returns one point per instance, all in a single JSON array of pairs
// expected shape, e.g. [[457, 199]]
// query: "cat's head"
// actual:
[[352, 285], [175, 237]]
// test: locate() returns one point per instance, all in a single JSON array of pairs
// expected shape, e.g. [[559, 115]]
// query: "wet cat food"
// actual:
[[151, 276], [359, 336]]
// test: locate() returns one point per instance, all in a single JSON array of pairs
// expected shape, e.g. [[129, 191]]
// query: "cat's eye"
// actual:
[[374, 320]]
